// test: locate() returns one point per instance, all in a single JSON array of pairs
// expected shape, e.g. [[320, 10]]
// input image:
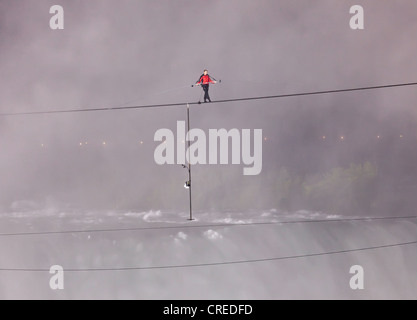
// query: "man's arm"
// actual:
[[212, 81], [199, 80]]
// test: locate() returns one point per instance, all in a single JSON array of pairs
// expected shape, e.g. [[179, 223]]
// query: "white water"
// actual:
[[389, 273]]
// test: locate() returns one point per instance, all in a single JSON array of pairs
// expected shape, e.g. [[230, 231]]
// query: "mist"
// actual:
[[336, 155]]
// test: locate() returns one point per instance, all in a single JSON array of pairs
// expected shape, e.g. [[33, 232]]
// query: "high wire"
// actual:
[[236, 262], [217, 101], [45, 233]]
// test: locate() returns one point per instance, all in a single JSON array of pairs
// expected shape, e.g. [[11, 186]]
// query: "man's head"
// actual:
[[205, 72]]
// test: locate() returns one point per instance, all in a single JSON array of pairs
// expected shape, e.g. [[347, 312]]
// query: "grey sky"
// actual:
[[147, 52], [112, 52]]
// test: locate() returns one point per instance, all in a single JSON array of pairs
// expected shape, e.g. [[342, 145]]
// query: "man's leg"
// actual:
[[206, 95], [205, 92]]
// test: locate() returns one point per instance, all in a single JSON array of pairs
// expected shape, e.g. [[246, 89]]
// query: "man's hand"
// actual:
[[214, 81]]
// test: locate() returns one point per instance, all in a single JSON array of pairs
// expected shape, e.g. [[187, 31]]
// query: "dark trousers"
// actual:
[[206, 94]]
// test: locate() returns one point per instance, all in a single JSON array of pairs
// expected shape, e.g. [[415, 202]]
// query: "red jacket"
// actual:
[[205, 79]]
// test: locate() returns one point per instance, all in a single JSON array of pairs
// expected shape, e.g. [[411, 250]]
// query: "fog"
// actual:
[[337, 155]]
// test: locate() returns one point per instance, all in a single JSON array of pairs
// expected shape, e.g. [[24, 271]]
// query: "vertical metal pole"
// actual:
[[189, 161]]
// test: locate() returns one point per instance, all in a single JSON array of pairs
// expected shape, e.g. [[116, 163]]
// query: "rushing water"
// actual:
[[389, 273]]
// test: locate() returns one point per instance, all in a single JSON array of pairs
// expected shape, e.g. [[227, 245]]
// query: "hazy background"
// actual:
[[113, 53]]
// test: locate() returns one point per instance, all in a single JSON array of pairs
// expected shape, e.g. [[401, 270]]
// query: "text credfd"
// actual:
[[229, 309]]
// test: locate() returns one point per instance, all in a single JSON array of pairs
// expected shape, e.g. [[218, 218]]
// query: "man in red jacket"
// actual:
[[204, 81]]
